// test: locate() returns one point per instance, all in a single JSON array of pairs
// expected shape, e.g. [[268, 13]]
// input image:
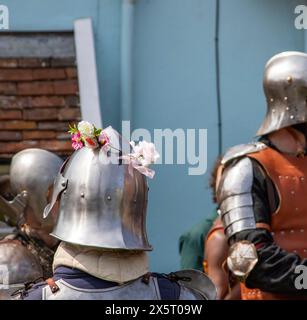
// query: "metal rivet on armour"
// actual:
[[291, 117], [289, 79], [109, 198], [285, 98], [82, 195]]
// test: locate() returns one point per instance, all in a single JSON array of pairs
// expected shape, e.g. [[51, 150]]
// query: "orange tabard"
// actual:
[[217, 225], [289, 221]]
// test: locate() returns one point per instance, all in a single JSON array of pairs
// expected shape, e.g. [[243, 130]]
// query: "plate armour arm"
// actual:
[[240, 207]]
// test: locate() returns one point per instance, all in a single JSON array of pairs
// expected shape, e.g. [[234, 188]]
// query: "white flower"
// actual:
[[86, 129], [145, 152]]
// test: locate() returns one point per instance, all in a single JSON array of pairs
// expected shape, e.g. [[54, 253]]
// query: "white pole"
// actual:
[[127, 23], [87, 72]]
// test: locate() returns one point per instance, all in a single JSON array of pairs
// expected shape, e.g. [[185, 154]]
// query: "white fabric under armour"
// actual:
[[116, 266]]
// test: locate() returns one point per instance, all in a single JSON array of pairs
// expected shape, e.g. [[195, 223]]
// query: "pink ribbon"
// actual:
[[133, 163]]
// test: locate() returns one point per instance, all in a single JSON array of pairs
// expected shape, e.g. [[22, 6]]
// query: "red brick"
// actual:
[[63, 62], [48, 74], [40, 114], [63, 136], [13, 147], [56, 125], [69, 114], [56, 145], [35, 88], [37, 135], [10, 135], [47, 101], [65, 87], [8, 63], [10, 114], [34, 62], [72, 101], [15, 75], [71, 73], [17, 125], [7, 88], [13, 102]]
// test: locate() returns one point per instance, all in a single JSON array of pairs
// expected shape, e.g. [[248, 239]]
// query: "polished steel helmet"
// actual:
[[285, 87], [17, 267], [101, 201], [32, 172]]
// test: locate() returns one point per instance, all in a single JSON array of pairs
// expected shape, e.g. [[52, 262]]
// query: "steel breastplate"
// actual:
[[134, 290]]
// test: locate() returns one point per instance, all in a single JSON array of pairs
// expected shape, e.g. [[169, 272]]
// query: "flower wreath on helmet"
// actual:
[[142, 156]]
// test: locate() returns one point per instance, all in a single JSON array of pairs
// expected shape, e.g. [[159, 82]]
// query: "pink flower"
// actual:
[[104, 140], [77, 145], [76, 137], [145, 153], [76, 141]]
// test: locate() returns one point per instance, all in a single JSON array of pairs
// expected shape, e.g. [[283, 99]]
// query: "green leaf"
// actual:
[[73, 129], [97, 131]]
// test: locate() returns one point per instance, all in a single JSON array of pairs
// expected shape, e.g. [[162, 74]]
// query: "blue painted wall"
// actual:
[[174, 82], [251, 33]]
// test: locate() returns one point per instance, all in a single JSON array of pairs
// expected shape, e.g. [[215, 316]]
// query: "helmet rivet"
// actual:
[[63, 184], [289, 79], [109, 198], [272, 100], [65, 192], [285, 98], [134, 200], [287, 108], [291, 117], [82, 195]]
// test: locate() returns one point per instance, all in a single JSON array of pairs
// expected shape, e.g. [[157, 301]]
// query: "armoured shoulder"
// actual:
[[18, 266], [196, 281], [235, 197], [242, 150]]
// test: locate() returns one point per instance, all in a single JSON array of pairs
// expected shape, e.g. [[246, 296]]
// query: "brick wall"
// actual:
[[38, 99]]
